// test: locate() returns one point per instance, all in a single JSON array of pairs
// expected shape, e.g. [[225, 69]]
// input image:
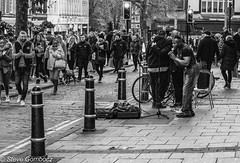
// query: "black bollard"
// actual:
[[122, 84], [89, 115], [37, 136], [144, 93]]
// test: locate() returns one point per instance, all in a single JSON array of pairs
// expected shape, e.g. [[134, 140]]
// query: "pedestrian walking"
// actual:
[[191, 74], [82, 56], [135, 49], [101, 58], [40, 47], [119, 48], [229, 60], [54, 52], [5, 66], [207, 50], [236, 37], [71, 45], [23, 53]]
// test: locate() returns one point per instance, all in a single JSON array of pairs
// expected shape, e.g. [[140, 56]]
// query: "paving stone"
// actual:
[[64, 155], [199, 160], [219, 155], [228, 160], [132, 161], [122, 155], [154, 155], [187, 155], [79, 160]]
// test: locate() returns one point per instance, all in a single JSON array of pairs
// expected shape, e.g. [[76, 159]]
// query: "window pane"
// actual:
[[203, 6], [215, 6], [220, 7], [209, 7]]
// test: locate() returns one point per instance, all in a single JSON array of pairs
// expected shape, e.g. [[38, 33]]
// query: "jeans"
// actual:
[[40, 66], [22, 75], [5, 80], [190, 80], [99, 69]]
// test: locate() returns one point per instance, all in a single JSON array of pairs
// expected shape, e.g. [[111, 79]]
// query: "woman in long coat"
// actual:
[[229, 60]]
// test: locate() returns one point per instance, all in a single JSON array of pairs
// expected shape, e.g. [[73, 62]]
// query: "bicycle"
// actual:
[[141, 89]]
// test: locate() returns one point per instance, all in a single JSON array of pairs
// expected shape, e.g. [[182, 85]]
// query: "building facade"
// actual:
[[208, 15], [69, 15]]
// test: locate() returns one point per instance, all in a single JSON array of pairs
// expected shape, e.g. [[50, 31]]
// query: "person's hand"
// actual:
[[154, 43], [172, 56]]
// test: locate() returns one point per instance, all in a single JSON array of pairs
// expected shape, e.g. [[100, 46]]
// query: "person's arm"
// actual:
[[31, 54], [199, 51], [14, 54], [7, 55]]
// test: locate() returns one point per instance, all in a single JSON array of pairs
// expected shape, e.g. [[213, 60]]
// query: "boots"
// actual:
[[55, 84]]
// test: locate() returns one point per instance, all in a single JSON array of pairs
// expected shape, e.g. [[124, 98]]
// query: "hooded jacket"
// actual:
[[228, 55]]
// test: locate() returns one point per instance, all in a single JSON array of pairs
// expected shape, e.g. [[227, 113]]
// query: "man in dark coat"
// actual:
[[236, 37], [207, 50], [83, 56]]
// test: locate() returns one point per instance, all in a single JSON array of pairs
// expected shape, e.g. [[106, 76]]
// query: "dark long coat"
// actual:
[[228, 55]]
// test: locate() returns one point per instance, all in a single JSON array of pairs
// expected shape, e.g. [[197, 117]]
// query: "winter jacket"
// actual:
[[6, 59], [236, 37], [135, 47], [157, 56], [102, 52], [207, 49], [119, 48], [83, 51], [228, 55], [53, 56]]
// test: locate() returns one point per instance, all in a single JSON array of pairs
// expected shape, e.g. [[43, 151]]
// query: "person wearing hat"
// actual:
[[23, 53], [207, 49]]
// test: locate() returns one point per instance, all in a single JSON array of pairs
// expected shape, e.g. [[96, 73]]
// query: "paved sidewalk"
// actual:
[[212, 136]]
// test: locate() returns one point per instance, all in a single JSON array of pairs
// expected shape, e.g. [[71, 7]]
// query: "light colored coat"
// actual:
[[53, 56]]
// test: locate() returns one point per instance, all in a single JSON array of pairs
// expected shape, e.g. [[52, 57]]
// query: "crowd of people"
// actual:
[[45, 56], [169, 58]]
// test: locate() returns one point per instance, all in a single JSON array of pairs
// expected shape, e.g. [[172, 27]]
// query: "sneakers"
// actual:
[[19, 98], [7, 99], [187, 114], [22, 103]]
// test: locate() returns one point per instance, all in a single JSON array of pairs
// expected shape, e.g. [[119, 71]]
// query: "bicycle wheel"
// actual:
[[144, 93]]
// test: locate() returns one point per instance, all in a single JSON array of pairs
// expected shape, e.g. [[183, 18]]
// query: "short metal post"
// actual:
[[37, 136], [89, 115], [122, 84], [144, 92]]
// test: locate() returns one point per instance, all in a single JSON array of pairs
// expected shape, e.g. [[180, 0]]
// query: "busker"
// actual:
[[191, 74]]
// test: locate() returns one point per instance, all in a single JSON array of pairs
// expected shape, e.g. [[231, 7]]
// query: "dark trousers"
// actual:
[[177, 79], [22, 75], [227, 78], [159, 85], [40, 67], [99, 69], [82, 63], [135, 60], [118, 63], [70, 60]]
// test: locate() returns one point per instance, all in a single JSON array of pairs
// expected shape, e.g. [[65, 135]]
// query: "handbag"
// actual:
[[60, 64], [110, 62]]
